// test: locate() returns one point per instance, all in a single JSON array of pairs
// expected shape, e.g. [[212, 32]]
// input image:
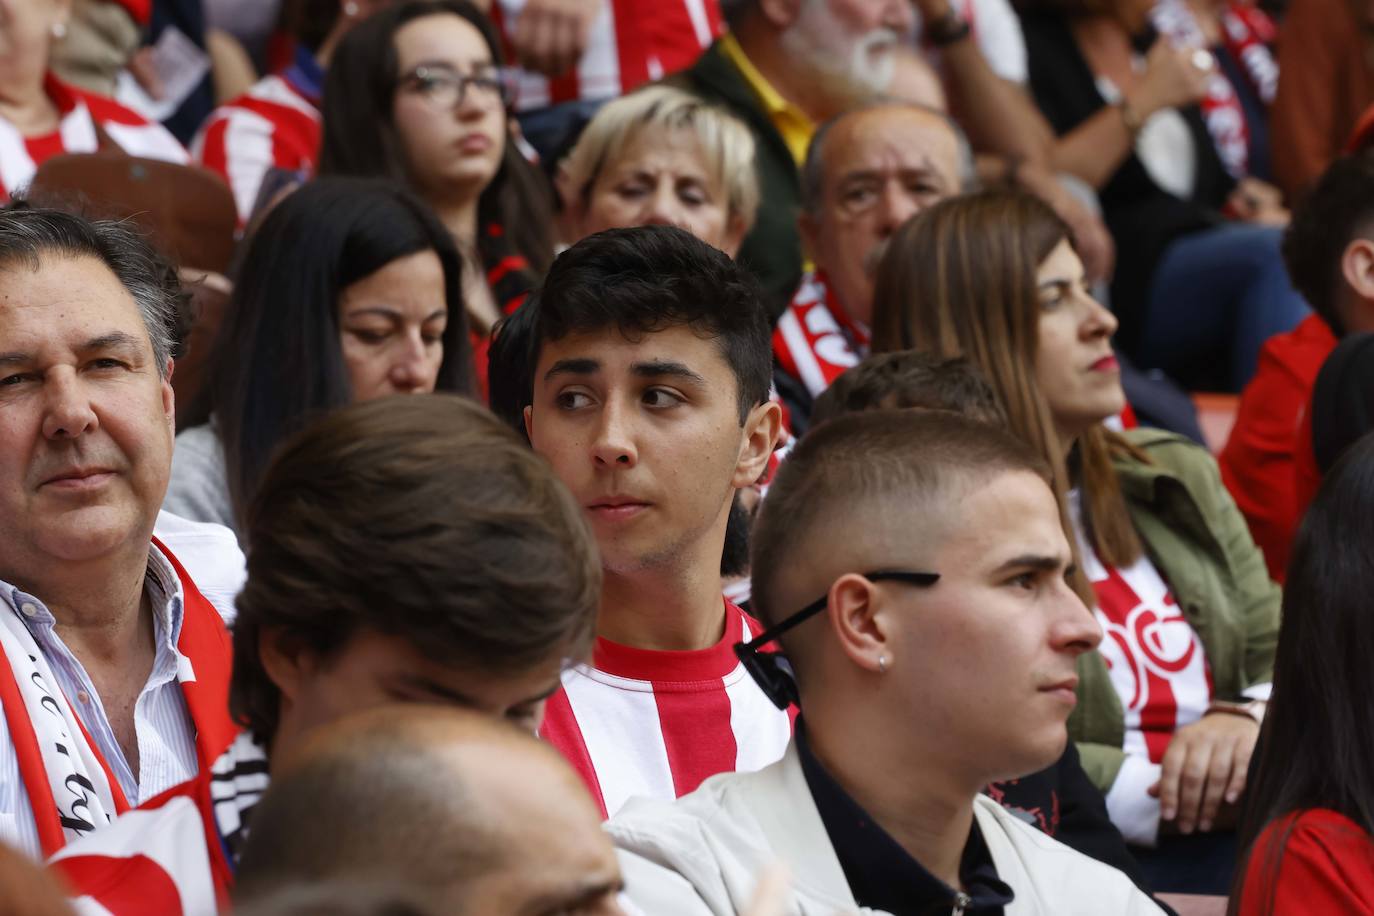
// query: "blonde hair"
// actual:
[[726, 143], [959, 280]]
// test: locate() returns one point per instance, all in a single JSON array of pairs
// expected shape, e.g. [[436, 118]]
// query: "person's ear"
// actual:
[[1357, 268], [857, 617], [761, 430], [287, 662], [735, 232], [169, 397], [780, 13], [528, 414]]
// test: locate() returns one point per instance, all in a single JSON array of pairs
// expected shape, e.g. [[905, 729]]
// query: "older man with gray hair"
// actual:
[[114, 667], [866, 172]]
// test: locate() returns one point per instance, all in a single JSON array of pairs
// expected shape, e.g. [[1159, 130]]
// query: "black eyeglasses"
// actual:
[[444, 87], [771, 670]]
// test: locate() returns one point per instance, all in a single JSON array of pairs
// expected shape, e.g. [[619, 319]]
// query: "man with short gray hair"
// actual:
[[114, 667]]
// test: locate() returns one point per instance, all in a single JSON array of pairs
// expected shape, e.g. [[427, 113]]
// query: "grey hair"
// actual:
[[27, 233], [813, 169]]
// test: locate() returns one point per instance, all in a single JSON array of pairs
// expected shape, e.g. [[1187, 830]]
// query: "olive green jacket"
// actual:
[[1200, 544]]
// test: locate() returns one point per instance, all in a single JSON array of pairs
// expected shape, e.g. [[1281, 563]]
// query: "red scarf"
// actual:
[[205, 643], [1246, 34]]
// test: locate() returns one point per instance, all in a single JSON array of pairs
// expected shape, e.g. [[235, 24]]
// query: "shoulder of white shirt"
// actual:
[[210, 554]]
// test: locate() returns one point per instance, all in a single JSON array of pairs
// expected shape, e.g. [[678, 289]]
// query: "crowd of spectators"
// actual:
[[686, 457]]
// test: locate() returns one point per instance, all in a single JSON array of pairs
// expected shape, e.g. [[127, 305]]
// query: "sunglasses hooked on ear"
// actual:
[[772, 671]]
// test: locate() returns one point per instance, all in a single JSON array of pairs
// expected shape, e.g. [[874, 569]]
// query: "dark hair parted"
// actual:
[[857, 461], [418, 517], [1336, 211], [959, 279], [637, 281], [1318, 735], [359, 133], [27, 233], [911, 378], [278, 359]]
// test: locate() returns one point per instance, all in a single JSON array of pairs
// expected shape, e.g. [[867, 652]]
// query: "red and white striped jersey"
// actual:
[[816, 340], [273, 125], [639, 722], [79, 113], [630, 43]]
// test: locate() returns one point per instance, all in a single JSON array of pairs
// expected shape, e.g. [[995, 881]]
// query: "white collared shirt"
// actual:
[[162, 722]]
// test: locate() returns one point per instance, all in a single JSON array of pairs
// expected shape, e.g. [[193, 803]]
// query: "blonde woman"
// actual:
[[662, 157], [1168, 706]]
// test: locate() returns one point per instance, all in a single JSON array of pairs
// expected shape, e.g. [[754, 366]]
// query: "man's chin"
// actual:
[[88, 533]]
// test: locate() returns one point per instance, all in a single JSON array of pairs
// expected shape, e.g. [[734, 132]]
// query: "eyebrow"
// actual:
[[578, 366], [657, 368], [392, 313], [438, 690], [115, 340], [581, 893], [450, 66], [1035, 561]]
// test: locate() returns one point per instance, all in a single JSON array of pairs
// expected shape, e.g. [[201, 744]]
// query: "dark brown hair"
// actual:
[[959, 280], [359, 137], [871, 457], [910, 378], [421, 517]]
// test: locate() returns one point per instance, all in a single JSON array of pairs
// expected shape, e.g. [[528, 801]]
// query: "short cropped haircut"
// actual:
[[726, 144], [420, 517], [911, 378], [638, 281], [861, 460], [812, 174], [29, 233], [1338, 209]]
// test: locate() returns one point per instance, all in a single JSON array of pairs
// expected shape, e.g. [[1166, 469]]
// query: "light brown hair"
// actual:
[[959, 279]]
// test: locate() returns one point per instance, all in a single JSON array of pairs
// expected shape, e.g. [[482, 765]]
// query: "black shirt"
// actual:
[[881, 874]]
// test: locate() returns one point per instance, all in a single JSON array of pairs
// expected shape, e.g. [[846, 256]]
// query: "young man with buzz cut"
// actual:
[[642, 370], [913, 566]]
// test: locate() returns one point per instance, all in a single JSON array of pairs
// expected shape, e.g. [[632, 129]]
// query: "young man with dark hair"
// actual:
[[920, 595], [1329, 250], [407, 549], [645, 375]]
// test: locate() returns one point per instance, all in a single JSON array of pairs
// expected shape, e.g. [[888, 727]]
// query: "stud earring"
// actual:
[[350, 9], [59, 30], [882, 664]]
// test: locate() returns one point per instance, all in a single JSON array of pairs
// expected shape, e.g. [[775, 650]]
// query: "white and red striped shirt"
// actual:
[[816, 340], [639, 722], [630, 43], [79, 113], [276, 124]]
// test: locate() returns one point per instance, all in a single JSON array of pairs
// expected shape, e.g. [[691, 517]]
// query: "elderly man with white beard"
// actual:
[[786, 66]]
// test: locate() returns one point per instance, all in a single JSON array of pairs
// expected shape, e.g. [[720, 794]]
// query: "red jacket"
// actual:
[[1257, 464]]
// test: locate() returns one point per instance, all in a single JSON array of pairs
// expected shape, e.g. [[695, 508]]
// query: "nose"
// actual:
[[614, 443], [663, 207], [68, 414], [1099, 322], [408, 371], [1076, 629], [895, 207]]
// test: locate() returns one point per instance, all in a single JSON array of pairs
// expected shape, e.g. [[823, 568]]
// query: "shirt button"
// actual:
[[28, 609], [83, 697]]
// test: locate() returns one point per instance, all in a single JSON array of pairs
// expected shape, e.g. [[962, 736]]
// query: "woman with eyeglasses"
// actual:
[[1168, 705], [416, 93]]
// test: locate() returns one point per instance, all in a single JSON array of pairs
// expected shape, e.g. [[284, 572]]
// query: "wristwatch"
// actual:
[[1254, 709], [948, 29]]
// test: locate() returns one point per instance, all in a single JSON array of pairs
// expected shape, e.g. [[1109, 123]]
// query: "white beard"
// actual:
[[854, 68]]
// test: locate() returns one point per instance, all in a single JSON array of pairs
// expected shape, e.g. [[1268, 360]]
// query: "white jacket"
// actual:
[[703, 854]]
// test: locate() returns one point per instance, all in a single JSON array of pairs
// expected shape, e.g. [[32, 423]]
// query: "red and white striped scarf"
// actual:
[[70, 786], [1246, 34]]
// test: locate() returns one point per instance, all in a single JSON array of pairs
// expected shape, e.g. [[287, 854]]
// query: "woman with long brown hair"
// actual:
[[1169, 705]]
